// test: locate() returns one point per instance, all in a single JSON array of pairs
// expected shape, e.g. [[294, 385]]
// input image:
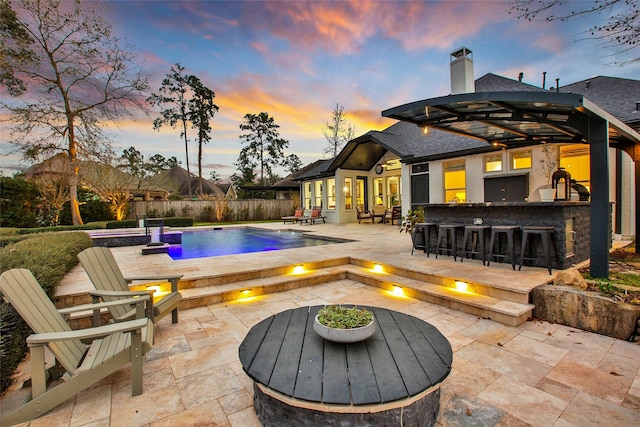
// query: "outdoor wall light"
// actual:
[[245, 292], [397, 290], [461, 286], [378, 268], [298, 269]]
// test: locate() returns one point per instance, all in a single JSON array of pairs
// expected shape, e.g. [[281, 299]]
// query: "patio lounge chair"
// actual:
[[113, 346], [363, 215], [393, 214], [316, 215], [297, 216], [111, 285]]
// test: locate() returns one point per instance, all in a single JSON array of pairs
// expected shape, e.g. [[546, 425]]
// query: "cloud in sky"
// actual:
[[296, 59]]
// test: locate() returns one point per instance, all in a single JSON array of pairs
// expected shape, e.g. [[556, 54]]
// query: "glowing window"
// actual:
[[521, 160], [455, 181], [493, 163]]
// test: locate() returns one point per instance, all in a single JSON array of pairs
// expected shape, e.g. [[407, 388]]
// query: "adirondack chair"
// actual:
[[111, 285], [113, 346]]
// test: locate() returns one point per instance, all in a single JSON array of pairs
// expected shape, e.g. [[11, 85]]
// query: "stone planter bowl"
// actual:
[[344, 336]]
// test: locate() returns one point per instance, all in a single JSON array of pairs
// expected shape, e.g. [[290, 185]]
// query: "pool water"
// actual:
[[230, 241]]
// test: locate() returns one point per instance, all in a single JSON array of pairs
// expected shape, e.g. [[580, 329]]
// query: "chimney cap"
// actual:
[[461, 52]]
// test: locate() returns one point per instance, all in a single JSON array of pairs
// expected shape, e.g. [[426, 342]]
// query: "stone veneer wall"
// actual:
[[273, 412], [525, 214]]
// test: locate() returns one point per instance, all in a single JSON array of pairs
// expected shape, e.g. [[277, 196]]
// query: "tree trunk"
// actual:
[[186, 153], [200, 166], [76, 218], [73, 193]]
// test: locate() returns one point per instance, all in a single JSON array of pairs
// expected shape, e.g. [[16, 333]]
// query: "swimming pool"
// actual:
[[240, 240]]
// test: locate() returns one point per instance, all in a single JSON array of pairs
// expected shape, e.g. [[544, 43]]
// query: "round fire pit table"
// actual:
[[300, 379]]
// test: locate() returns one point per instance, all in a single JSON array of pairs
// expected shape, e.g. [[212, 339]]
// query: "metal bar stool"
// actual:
[[547, 234], [508, 231], [444, 231], [474, 234], [426, 228]]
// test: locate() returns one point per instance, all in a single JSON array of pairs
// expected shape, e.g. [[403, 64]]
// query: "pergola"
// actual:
[[517, 119]]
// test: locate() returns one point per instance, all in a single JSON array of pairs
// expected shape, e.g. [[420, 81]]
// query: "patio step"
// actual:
[[507, 307], [471, 301]]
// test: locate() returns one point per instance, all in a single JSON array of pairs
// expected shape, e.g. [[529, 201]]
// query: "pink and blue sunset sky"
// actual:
[[296, 60]]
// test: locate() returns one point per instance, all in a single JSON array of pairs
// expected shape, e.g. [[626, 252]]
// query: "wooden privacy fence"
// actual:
[[215, 210]]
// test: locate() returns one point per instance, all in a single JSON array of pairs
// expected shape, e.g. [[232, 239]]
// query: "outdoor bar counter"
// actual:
[[571, 222]]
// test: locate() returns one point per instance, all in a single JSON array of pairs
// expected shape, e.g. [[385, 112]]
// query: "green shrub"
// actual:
[[19, 203], [91, 209], [127, 223], [49, 256], [178, 222], [208, 214], [91, 226], [9, 231], [227, 213], [170, 213]]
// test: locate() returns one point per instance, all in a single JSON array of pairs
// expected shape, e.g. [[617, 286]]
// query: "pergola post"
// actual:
[[598, 139]]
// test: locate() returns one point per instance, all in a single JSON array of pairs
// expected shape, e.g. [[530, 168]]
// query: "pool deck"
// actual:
[[535, 374]]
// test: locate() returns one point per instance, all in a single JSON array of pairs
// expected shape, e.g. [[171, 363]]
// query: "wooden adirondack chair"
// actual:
[[113, 346], [111, 285]]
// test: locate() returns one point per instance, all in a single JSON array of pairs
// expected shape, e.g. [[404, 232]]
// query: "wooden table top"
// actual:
[[403, 358]]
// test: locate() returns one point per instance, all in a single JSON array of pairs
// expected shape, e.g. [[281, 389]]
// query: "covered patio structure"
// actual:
[[519, 119]]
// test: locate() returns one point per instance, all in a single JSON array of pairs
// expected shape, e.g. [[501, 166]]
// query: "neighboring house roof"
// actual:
[[177, 176], [56, 165]]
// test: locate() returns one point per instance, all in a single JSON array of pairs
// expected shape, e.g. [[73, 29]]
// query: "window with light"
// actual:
[[493, 163], [455, 181], [318, 193], [576, 160], [521, 160], [348, 193], [331, 193]]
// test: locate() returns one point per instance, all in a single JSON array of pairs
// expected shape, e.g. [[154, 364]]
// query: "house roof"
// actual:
[[177, 176], [407, 140], [515, 118], [617, 96]]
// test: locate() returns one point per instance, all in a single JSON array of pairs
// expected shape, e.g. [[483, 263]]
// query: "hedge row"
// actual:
[[49, 256], [168, 222]]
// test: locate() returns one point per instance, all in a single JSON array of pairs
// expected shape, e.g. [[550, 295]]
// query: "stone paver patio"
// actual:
[[537, 374]]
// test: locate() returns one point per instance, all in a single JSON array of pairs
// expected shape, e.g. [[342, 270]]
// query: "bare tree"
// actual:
[[622, 28], [337, 131], [77, 77]]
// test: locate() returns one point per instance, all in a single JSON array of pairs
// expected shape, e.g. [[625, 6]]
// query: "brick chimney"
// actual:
[[462, 71]]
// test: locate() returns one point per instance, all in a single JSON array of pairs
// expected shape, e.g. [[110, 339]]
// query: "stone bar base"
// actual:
[[277, 410]]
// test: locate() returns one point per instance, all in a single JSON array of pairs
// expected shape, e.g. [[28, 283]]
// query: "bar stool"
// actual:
[[445, 230], [509, 231], [426, 227], [476, 235], [547, 234]]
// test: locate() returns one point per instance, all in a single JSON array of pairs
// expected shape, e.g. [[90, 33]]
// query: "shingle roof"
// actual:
[[615, 95]]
